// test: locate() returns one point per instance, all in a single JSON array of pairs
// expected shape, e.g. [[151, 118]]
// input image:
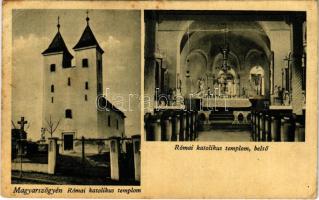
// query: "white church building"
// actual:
[[70, 92]]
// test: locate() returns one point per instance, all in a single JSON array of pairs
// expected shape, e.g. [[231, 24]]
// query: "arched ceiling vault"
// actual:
[[210, 37]]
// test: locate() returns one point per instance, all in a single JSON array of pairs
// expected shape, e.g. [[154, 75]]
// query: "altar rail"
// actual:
[[171, 125], [277, 125]]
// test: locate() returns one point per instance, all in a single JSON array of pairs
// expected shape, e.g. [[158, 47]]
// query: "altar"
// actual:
[[226, 102]]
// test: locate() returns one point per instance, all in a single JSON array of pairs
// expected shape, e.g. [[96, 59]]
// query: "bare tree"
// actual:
[[51, 126]]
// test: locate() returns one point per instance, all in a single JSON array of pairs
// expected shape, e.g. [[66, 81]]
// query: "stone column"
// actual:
[[136, 139], [167, 128], [114, 157], [52, 155]]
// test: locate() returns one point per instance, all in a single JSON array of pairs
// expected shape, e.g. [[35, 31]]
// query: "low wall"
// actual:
[[30, 167]]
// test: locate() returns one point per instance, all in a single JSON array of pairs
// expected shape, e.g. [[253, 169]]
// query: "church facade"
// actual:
[[72, 92]]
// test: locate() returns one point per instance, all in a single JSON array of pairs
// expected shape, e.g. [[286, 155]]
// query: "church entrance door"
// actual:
[[68, 141]]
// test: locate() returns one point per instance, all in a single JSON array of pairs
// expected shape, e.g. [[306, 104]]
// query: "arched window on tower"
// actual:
[[69, 81], [68, 113]]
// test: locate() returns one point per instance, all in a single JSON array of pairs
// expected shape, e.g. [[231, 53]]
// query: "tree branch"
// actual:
[[14, 126]]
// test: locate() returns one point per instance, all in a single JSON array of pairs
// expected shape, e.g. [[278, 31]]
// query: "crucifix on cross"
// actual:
[[22, 122]]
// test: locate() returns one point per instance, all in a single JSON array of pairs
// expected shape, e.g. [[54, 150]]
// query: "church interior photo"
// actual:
[[224, 75]]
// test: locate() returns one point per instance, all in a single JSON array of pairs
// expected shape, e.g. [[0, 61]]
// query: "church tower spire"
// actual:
[[87, 17], [58, 46], [88, 40], [58, 25]]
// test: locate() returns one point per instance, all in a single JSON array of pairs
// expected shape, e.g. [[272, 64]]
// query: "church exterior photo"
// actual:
[[66, 120], [71, 92]]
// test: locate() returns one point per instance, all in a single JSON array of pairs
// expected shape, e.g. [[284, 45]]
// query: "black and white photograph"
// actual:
[[159, 99], [76, 82], [225, 75]]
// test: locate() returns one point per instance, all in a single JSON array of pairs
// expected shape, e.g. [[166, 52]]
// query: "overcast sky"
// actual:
[[118, 33]]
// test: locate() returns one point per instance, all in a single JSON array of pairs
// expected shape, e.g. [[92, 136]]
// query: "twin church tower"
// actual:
[[70, 92]]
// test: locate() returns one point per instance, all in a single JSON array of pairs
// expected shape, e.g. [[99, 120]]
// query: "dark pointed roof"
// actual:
[[57, 45], [88, 40]]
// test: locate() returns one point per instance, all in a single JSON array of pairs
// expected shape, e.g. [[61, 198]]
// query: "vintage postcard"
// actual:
[[159, 99]]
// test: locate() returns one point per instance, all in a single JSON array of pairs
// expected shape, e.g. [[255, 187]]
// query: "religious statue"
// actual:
[[286, 99], [221, 84], [201, 87]]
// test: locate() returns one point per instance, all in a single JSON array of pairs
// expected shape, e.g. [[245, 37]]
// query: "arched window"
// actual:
[[68, 113]]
